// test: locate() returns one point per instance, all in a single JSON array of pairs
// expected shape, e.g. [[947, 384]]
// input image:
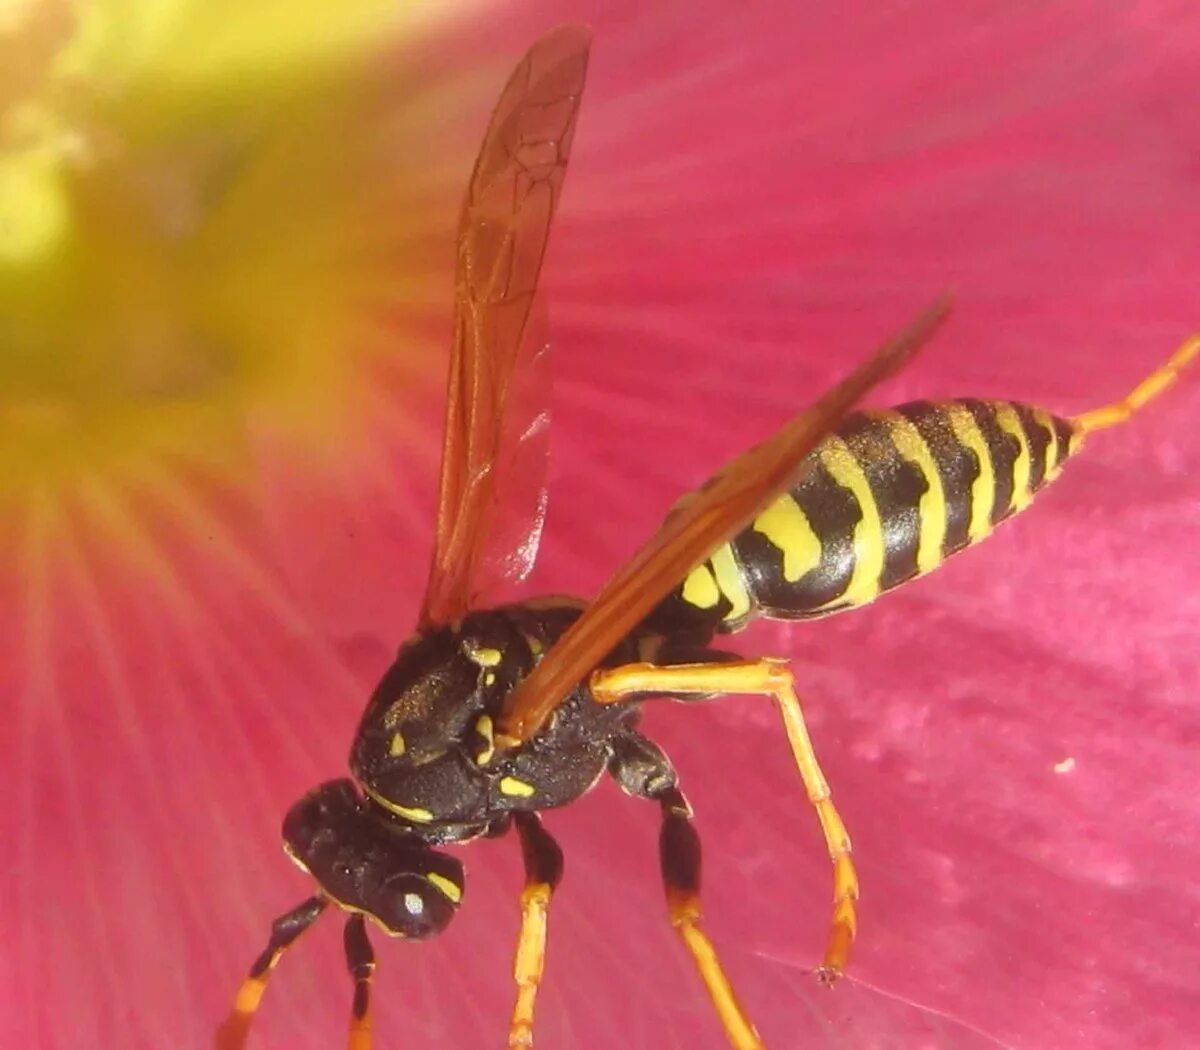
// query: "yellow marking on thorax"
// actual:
[[1051, 470], [700, 589], [931, 510], [786, 527], [483, 727], [396, 748], [484, 657], [411, 813], [1008, 421], [729, 579], [869, 550], [449, 889], [517, 788], [983, 488]]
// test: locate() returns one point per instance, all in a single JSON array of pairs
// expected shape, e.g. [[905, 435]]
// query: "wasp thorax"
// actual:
[[426, 737], [367, 863]]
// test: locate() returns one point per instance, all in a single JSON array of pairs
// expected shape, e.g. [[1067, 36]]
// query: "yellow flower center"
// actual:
[[188, 242]]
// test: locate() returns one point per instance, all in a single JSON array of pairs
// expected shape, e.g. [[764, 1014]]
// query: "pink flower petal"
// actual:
[[758, 197]]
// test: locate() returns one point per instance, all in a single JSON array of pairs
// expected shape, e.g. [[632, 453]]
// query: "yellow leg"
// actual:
[[1150, 387], [763, 678], [679, 847], [284, 931], [543, 870]]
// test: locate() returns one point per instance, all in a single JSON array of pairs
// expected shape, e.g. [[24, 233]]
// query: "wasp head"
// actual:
[[366, 863]]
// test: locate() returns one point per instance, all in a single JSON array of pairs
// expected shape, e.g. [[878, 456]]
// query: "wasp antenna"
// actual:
[[1148, 389]]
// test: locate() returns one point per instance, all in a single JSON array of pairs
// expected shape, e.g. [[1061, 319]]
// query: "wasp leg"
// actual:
[[642, 769], [360, 959], [284, 931], [1148, 389], [543, 871], [764, 678]]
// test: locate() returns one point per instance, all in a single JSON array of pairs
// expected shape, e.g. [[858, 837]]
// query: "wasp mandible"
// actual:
[[488, 716]]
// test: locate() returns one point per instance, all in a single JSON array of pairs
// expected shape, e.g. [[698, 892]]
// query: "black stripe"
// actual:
[[1003, 449], [957, 465], [897, 487], [1062, 437], [1037, 437]]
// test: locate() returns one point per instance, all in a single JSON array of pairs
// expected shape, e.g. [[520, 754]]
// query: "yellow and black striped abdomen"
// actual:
[[888, 497]]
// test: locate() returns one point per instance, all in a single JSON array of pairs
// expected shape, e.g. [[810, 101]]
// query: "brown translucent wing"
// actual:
[[703, 520], [502, 235]]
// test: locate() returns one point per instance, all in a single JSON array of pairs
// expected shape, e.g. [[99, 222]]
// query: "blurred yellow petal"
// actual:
[[193, 238]]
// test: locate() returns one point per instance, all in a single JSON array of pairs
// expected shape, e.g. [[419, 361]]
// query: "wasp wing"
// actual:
[[503, 229], [696, 526]]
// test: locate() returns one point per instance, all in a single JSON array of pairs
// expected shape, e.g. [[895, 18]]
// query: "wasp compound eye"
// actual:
[[410, 905]]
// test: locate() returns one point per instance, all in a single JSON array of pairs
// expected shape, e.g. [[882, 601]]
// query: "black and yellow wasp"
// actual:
[[488, 716]]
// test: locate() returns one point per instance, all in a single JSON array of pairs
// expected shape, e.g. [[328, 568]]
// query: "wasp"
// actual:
[[488, 716]]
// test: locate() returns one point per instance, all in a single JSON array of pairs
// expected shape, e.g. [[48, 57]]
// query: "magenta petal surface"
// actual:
[[759, 195]]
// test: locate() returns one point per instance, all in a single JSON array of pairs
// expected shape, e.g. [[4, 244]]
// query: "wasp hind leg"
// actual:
[[762, 678], [284, 931], [642, 769], [543, 871]]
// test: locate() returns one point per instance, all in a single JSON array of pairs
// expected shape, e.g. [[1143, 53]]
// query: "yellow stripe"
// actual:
[[730, 581], [700, 589], [785, 526], [983, 488], [931, 511], [517, 788], [868, 533], [410, 813], [449, 889], [1043, 420], [1008, 421]]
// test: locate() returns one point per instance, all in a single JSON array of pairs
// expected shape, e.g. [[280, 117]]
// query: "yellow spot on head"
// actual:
[[517, 788], [489, 678], [397, 746], [700, 589], [448, 888]]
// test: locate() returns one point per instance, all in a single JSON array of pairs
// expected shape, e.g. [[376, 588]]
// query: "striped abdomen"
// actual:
[[889, 497]]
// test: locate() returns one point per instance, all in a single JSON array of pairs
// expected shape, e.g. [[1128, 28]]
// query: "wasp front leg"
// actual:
[[642, 769], [764, 678], [360, 961], [543, 871], [284, 932]]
